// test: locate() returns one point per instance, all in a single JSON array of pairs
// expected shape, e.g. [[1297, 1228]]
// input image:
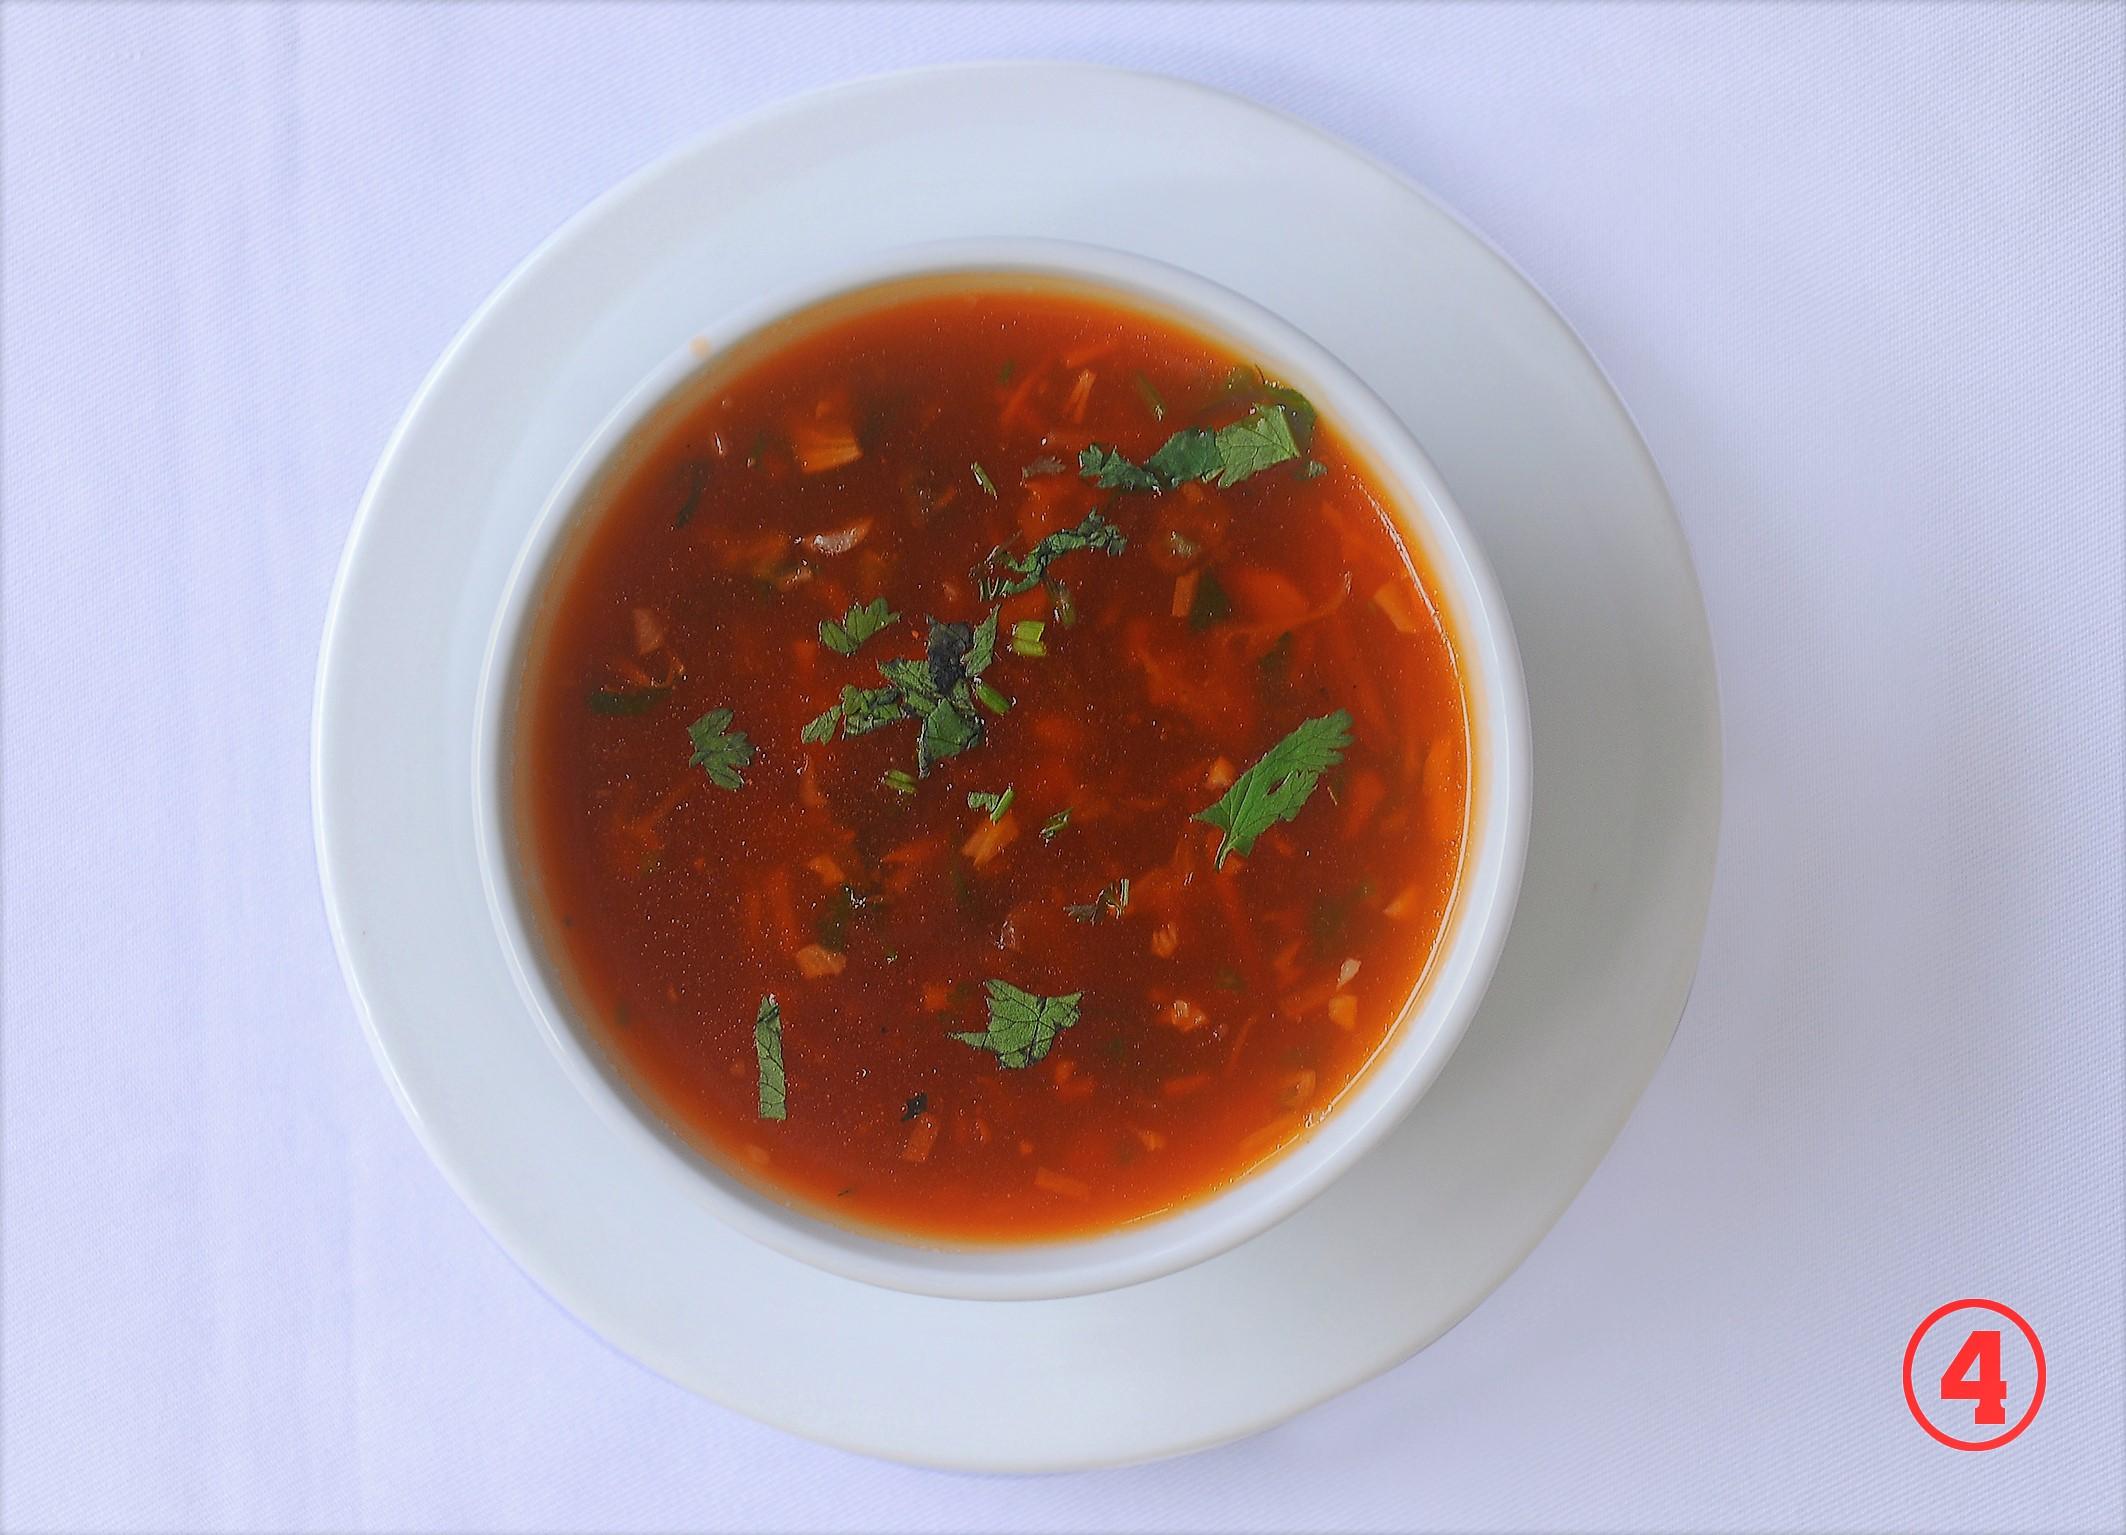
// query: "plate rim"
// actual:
[[826, 98]]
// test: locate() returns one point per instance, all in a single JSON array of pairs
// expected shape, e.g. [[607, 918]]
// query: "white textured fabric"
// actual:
[[1857, 271]]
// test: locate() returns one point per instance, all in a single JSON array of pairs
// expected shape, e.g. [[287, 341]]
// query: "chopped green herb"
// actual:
[[1026, 638], [833, 922], [719, 750], [1211, 604], [1112, 901], [821, 726], [1190, 454], [1011, 366], [992, 700], [1226, 978], [867, 709], [1022, 1026], [863, 620], [899, 781], [1278, 656], [1054, 825], [982, 648], [1059, 599], [995, 804], [697, 482], [1258, 440], [1107, 468], [1028, 571], [624, 700], [767, 1056], [950, 728], [1046, 464], [1148, 395], [981, 478], [1275, 788], [1315, 469]]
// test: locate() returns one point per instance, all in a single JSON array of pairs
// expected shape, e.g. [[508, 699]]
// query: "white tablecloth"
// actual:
[[1857, 271]]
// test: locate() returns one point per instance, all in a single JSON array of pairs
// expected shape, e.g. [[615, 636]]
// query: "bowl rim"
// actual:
[[1434, 1019]]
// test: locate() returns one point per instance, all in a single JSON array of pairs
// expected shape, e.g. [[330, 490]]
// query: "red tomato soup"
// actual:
[[987, 767]]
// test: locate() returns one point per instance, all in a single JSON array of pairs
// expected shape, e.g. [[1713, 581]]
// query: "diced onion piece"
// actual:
[[649, 630], [815, 961], [1405, 904], [1060, 1183], [1186, 1015], [1343, 1010], [1347, 974], [922, 1135], [820, 445], [1393, 598], [1166, 938], [839, 540]]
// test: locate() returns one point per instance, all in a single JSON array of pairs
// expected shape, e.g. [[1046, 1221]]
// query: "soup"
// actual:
[[987, 767]]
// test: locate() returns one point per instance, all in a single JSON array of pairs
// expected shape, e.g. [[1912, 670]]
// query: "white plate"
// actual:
[[1542, 459]]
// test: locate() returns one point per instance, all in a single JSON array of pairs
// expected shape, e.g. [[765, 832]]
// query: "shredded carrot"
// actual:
[[808, 788], [815, 961], [1367, 790], [1343, 1010], [1166, 938], [1240, 1039], [829, 872], [1088, 351], [757, 1154], [1299, 1089], [990, 838], [1016, 400], [1181, 1087], [1185, 592], [1405, 904], [1060, 1183], [1151, 1140], [1286, 963], [922, 1135], [1080, 393]]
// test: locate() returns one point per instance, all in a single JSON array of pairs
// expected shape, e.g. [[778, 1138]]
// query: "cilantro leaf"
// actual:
[[1022, 1026], [1046, 464], [864, 710], [1095, 533], [719, 750], [1107, 468], [1276, 787], [821, 726], [864, 619], [1260, 439], [949, 728], [767, 1057], [1190, 454], [981, 478], [983, 649]]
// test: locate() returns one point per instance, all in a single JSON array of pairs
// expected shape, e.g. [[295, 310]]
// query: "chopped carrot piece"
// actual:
[[1060, 1183], [1088, 351], [757, 1154], [815, 961], [922, 1135], [649, 630], [1221, 775], [1151, 1140], [1025, 1148], [808, 787], [990, 838], [1405, 905], [1181, 1087], [1367, 790], [1185, 592], [1165, 940], [937, 996], [829, 872], [1343, 1010]]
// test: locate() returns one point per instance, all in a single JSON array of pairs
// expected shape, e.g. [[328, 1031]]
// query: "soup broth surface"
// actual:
[[1015, 993]]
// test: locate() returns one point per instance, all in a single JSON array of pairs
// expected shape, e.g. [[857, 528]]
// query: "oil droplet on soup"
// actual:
[[988, 768]]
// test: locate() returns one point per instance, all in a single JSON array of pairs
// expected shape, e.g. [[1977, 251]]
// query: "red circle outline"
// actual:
[[2037, 1351]]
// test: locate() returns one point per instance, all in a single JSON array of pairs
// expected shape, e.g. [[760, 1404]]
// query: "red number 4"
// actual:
[[1974, 1375]]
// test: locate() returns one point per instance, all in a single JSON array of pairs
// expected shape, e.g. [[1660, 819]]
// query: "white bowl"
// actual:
[[1439, 1011]]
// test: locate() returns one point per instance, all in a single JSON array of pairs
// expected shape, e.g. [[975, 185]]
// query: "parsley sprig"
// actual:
[[1022, 1026], [719, 750]]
